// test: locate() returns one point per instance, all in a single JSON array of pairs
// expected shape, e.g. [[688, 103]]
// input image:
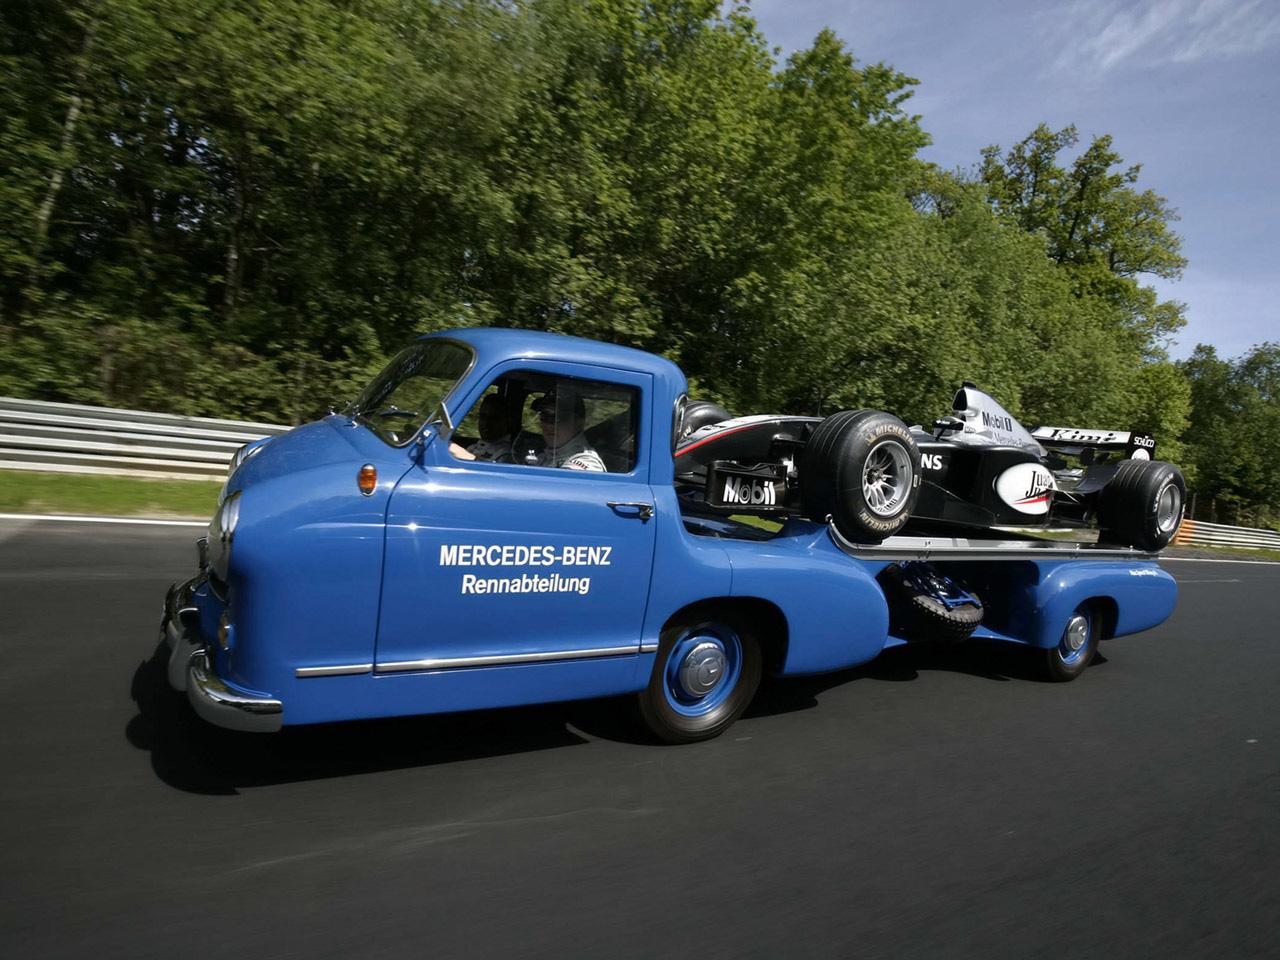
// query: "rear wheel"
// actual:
[[861, 469], [1142, 505], [707, 670], [1076, 647]]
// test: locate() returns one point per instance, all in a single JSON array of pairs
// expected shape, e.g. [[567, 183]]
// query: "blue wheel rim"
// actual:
[[1076, 639], [701, 669]]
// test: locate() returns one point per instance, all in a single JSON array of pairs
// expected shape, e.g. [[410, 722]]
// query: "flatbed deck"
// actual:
[[941, 547]]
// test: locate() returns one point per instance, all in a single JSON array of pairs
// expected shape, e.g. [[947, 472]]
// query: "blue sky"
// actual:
[[1190, 89]]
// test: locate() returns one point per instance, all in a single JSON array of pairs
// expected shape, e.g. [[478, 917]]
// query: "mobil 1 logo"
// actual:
[[755, 489]]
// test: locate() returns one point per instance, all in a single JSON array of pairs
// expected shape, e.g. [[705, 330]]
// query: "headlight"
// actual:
[[246, 452], [222, 529]]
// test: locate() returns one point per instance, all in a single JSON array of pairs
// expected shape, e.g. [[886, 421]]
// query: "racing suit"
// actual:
[[576, 454]]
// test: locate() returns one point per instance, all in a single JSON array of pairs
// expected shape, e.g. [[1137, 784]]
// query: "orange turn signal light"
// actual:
[[368, 479]]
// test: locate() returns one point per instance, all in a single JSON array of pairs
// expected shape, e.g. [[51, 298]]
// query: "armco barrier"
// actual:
[[71, 438], [1198, 533]]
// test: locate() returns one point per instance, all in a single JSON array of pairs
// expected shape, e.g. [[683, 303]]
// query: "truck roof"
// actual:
[[496, 344]]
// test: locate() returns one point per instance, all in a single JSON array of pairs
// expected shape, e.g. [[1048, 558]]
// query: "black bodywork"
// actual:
[[967, 475]]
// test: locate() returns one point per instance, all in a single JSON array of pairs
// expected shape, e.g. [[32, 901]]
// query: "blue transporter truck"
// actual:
[[505, 517]]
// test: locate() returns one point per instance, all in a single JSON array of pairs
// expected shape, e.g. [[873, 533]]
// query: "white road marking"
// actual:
[[1180, 580], [78, 519], [1203, 560]]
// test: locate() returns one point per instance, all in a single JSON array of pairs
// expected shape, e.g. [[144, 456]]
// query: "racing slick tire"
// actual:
[[1142, 505], [707, 671], [700, 413], [1075, 649], [915, 614], [861, 470]]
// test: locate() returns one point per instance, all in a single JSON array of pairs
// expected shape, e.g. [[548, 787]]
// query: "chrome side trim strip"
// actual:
[[456, 663], [648, 648], [341, 670]]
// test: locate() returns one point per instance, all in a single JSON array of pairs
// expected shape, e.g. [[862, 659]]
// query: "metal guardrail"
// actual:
[[1194, 533], [73, 438]]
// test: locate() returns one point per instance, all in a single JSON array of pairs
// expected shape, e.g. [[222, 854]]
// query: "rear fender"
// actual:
[[836, 613], [1143, 595]]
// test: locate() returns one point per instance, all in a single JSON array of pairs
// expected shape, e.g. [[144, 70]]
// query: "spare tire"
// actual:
[[700, 413], [917, 610], [861, 471], [1142, 505]]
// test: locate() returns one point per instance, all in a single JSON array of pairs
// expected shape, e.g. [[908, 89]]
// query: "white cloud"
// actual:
[[1094, 35]]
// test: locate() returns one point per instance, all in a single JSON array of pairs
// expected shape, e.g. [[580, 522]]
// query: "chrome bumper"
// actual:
[[217, 703], [190, 671]]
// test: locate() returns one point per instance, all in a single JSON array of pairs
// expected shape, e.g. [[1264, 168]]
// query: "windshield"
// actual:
[[411, 388]]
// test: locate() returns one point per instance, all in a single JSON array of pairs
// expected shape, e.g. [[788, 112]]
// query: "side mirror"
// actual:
[[946, 424]]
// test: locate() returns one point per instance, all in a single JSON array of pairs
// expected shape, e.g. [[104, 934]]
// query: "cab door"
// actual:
[[492, 564]]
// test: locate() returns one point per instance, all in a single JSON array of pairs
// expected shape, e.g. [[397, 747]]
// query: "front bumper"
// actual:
[[191, 670]]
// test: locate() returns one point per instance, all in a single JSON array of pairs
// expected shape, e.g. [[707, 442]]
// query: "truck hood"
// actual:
[[333, 440]]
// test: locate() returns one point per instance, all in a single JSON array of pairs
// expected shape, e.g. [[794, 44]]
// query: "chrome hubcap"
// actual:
[[701, 669], [1077, 634]]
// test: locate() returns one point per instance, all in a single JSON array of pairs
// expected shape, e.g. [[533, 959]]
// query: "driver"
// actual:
[[494, 444], [562, 419]]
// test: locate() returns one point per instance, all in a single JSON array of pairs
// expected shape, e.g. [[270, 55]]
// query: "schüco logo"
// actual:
[[1027, 487], [743, 490]]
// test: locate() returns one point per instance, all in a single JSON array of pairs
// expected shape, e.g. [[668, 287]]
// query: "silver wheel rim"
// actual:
[[1075, 640], [886, 478], [1169, 509]]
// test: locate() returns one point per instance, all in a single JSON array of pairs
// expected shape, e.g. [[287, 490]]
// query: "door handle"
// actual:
[[642, 510]]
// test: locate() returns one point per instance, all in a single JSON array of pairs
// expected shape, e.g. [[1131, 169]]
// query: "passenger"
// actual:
[[494, 444], [562, 424]]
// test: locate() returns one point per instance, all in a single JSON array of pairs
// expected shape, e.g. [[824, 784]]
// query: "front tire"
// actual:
[[707, 671], [861, 469], [1076, 647]]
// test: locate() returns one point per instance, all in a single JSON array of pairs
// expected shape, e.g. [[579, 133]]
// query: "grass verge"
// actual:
[[29, 492]]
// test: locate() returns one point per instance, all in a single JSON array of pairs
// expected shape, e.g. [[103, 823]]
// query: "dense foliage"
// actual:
[[241, 208]]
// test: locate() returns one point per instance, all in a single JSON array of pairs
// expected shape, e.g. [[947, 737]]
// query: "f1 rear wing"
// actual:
[[1137, 446]]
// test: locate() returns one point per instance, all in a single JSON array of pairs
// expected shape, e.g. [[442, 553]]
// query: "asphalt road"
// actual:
[[935, 803]]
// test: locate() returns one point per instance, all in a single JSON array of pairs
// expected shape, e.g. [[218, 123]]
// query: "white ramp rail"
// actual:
[[73, 438]]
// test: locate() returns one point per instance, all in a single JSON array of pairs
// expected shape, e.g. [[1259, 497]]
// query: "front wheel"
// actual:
[[707, 670], [861, 470], [1076, 647]]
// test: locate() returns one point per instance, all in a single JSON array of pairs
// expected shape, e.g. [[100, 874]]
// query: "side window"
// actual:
[[539, 420]]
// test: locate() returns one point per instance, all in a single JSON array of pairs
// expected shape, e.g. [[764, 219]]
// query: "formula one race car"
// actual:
[[870, 474]]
